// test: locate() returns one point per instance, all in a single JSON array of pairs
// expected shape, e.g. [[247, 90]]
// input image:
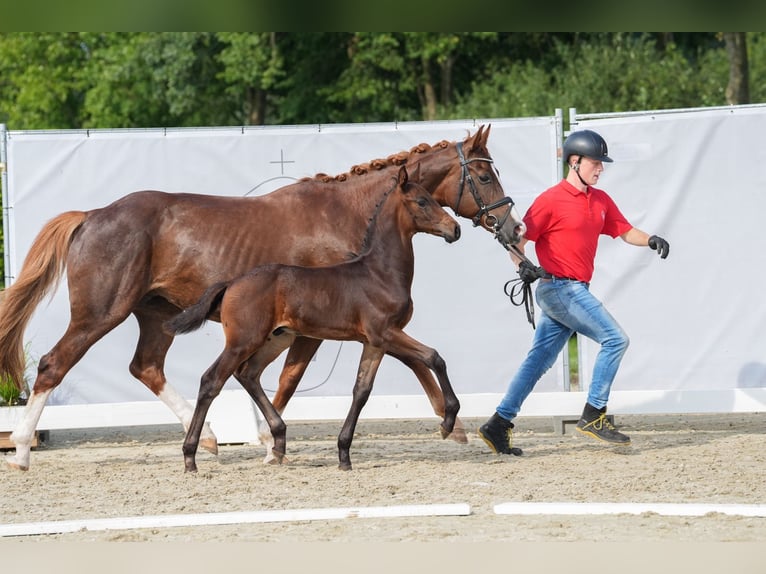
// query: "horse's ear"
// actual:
[[480, 138], [403, 176], [415, 175]]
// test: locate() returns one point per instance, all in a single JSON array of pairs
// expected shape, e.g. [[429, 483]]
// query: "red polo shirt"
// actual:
[[565, 224]]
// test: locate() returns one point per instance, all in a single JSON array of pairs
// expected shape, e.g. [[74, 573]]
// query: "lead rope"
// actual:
[[520, 292]]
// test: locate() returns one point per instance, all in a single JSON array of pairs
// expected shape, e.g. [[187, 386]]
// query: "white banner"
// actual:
[[695, 320], [460, 308]]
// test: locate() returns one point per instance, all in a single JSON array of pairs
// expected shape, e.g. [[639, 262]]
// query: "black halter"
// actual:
[[484, 209]]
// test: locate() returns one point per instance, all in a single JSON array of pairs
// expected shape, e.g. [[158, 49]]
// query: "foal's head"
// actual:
[[426, 214]]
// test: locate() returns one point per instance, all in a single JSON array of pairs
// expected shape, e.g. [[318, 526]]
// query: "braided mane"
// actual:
[[378, 164]]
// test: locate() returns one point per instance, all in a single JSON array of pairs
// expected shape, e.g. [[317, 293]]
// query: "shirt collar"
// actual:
[[571, 189]]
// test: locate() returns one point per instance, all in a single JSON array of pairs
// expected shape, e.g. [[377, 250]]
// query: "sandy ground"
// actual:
[[124, 472]]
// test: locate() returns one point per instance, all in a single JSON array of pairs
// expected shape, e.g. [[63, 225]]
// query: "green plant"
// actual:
[[10, 394], [574, 371]]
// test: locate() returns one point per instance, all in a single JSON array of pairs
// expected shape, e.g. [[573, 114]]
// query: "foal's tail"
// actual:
[[40, 274], [195, 316]]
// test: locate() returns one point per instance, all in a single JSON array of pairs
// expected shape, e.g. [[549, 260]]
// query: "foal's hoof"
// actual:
[[445, 433], [210, 445], [275, 457]]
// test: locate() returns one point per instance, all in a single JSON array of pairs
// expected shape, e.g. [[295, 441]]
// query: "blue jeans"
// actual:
[[568, 307]]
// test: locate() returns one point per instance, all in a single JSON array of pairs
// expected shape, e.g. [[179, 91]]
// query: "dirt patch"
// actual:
[[102, 473]]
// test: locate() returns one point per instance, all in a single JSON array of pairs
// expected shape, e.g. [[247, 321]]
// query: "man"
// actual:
[[565, 222]]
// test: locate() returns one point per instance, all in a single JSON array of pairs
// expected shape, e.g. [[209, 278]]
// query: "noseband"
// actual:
[[484, 209]]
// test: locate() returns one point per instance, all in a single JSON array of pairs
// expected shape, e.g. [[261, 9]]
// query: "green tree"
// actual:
[[253, 69], [157, 80], [41, 84], [404, 75], [609, 72]]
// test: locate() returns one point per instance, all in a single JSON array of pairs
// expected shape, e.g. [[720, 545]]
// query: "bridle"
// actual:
[[518, 288], [484, 209]]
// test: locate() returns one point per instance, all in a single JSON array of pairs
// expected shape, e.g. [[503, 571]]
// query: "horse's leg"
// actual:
[[368, 368], [24, 432], [51, 369], [148, 366], [297, 361], [402, 345], [435, 397]]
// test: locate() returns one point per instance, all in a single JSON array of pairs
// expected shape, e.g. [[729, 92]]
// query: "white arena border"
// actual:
[[604, 508], [222, 518], [234, 417]]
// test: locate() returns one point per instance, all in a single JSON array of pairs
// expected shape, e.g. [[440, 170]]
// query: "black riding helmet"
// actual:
[[586, 143]]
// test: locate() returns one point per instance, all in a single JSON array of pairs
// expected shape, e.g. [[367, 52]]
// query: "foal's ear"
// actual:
[[403, 176]]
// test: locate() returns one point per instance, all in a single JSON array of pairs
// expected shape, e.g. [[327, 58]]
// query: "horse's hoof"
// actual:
[[15, 465], [459, 436], [210, 445], [445, 433], [344, 466]]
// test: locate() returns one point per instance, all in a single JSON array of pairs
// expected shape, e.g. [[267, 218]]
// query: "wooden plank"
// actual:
[[6, 444]]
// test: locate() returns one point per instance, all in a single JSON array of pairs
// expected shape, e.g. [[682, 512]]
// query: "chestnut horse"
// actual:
[[153, 254], [366, 299]]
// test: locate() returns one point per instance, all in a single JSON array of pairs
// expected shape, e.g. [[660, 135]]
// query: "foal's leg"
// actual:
[[249, 376], [148, 366], [210, 387], [435, 397], [368, 368], [297, 361], [402, 345]]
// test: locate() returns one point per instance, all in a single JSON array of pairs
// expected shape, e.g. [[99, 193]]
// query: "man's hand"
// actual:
[[528, 273], [659, 245]]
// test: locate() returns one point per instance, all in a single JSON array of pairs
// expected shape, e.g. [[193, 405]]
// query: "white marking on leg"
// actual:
[[183, 410], [267, 440], [25, 431]]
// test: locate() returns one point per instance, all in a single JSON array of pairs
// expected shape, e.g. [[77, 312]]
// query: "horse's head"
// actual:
[[427, 215], [471, 187], [496, 211]]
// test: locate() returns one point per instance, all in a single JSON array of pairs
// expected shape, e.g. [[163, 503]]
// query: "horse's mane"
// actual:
[[372, 222], [379, 164]]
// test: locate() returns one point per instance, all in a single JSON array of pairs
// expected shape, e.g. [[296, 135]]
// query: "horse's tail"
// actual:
[[195, 316], [40, 274]]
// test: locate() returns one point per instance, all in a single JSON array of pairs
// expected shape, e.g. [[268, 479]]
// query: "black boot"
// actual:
[[496, 432], [594, 423]]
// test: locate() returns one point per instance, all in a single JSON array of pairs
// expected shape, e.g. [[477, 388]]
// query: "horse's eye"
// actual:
[[422, 201], [485, 178]]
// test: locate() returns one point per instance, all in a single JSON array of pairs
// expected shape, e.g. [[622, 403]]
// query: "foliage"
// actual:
[[9, 392], [12, 393]]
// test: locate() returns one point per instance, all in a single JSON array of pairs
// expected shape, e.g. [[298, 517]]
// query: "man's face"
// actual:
[[590, 170]]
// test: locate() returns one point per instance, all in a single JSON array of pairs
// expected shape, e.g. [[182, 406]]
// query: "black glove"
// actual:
[[528, 273], [659, 245]]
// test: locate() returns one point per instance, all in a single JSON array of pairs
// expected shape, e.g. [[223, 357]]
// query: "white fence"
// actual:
[[691, 176]]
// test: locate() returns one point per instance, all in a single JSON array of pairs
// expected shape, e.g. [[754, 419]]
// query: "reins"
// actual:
[[520, 288]]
